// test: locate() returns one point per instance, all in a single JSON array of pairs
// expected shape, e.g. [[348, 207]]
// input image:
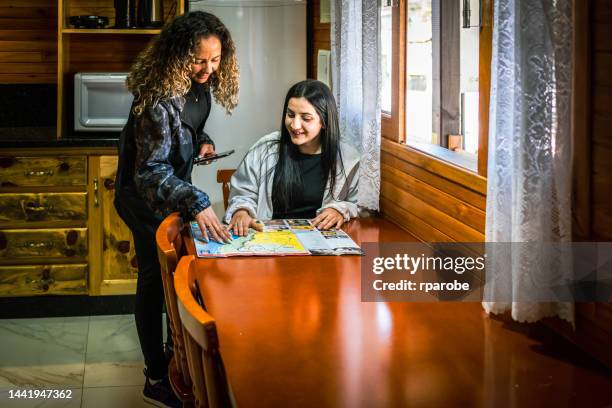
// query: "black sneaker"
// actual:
[[160, 394]]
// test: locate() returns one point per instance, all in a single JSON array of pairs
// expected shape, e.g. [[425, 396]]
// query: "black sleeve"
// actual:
[[154, 175]]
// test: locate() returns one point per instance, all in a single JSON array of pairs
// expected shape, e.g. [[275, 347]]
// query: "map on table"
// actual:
[[279, 237]]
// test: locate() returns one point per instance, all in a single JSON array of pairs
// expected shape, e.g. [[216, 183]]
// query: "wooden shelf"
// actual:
[[96, 49], [111, 31]]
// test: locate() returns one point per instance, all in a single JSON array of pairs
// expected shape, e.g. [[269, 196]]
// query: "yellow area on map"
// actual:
[[269, 242], [285, 239]]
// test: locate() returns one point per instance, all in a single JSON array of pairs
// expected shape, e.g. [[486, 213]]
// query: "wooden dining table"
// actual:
[[294, 332]]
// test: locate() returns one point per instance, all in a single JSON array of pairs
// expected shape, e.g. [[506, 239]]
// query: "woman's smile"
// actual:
[[304, 125]]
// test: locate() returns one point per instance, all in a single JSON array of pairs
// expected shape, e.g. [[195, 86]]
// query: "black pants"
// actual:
[[149, 292]]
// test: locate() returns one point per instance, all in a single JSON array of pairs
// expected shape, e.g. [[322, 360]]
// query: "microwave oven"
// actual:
[[102, 101]]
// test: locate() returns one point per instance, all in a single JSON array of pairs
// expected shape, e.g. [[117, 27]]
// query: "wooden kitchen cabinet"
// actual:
[[44, 236], [114, 270], [59, 231]]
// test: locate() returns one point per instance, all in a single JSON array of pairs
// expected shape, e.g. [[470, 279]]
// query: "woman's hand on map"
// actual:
[[242, 221], [209, 223], [328, 218]]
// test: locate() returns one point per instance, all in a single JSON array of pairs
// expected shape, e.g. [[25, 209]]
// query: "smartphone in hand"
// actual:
[[204, 160]]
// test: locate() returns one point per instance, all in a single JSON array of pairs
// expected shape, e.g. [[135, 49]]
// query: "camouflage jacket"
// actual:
[[156, 151]]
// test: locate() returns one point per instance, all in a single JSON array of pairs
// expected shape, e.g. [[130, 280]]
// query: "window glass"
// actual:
[[441, 71], [469, 54], [419, 73]]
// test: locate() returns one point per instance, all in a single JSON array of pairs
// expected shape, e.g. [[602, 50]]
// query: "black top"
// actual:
[[313, 187], [196, 107]]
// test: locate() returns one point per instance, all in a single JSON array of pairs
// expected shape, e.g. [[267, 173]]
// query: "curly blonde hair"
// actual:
[[163, 69]]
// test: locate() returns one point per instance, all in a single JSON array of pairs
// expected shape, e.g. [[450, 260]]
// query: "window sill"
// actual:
[[461, 159], [433, 164]]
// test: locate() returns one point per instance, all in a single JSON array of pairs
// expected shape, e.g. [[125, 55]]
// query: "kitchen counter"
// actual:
[[15, 138]]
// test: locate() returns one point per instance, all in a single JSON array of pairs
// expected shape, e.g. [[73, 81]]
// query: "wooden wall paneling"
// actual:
[[27, 41], [601, 36], [452, 227], [27, 3], [452, 206], [601, 192], [411, 222], [581, 125], [25, 35], [601, 119], [602, 69], [430, 198], [446, 170], [47, 47], [601, 151], [19, 67], [592, 183], [27, 78], [28, 57], [468, 196]]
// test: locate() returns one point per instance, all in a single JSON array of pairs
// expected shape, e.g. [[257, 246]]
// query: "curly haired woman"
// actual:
[[172, 81]]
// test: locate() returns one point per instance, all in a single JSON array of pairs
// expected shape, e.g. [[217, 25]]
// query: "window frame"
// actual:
[[393, 123]]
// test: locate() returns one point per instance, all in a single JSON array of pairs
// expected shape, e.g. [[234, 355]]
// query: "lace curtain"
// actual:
[[355, 66], [529, 173]]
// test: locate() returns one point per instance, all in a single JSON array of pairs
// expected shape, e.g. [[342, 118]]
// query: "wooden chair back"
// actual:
[[224, 176], [170, 248], [210, 384]]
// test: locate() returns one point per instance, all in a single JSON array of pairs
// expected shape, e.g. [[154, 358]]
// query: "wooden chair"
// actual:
[[224, 176], [170, 247], [210, 384]]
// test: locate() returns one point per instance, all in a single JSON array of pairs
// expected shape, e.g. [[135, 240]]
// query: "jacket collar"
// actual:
[[178, 102]]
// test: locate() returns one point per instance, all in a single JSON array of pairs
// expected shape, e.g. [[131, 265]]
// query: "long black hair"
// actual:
[[287, 186]]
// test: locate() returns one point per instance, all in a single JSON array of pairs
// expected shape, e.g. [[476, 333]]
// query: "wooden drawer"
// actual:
[[19, 244], [33, 171], [42, 207], [43, 280]]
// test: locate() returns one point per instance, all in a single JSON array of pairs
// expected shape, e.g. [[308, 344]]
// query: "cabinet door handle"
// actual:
[[43, 283], [38, 244], [95, 186], [39, 173], [37, 208]]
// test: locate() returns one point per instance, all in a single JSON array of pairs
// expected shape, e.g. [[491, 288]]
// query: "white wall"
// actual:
[[270, 39]]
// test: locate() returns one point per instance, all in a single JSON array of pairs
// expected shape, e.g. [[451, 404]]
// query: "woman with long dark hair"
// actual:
[[172, 81], [303, 171]]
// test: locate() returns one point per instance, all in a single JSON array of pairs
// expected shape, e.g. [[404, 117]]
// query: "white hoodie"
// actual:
[[251, 184]]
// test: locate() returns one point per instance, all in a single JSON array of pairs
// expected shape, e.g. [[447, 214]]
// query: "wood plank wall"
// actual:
[[594, 320], [28, 41], [434, 201], [601, 101]]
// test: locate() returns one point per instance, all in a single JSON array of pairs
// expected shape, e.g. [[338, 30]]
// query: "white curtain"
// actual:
[[529, 165], [355, 61]]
